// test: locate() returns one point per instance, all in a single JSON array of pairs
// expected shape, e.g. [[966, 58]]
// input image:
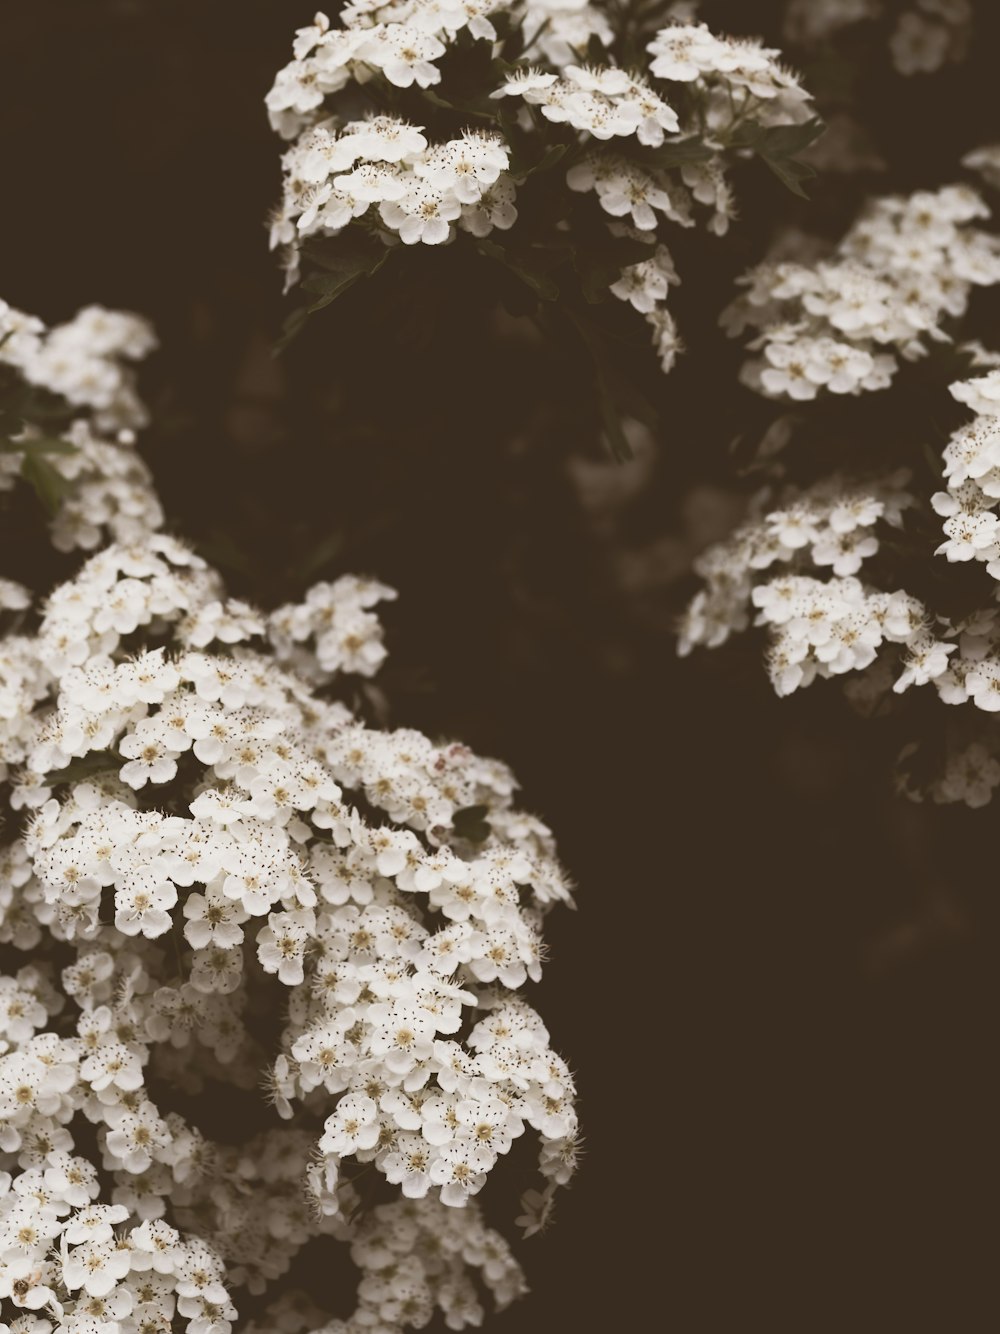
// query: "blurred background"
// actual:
[[780, 990]]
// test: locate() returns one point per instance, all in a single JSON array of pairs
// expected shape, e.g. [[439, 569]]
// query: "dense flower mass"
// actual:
[[216, 874], [904, 269], [510, 99], [79, 374], [806, 565]]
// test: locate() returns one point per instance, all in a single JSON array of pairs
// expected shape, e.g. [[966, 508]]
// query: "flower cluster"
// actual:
[[77, 375], [332, 630], [221, 875], [853, 621], [906, 266], [827, 627], [612, 129], [605, 103], [84, 361], [819, 627], [385, 167]]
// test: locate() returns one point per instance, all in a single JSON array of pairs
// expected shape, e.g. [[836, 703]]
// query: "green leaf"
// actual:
[[481, 110], [334, 281], [320, 557], [776, 146], [621, 450], [46, 444], [291, 327], [352, 249], [597, 52], [502, 70], [509, 34], [336, 267], [470, 823], [596, 280], [529, 267], [77, 771], [787, 140], [50, 486], [693, 149], [553, 154], [790, 172], [605, 379]]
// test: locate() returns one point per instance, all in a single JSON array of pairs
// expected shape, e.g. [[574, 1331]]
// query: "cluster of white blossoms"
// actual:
[[383, 166], [84, 361], [926, 34], [840, 325], [972, 477], [221, 876], [382, 174], [332, 629], [822, 626], [104, 488], [819, 626]]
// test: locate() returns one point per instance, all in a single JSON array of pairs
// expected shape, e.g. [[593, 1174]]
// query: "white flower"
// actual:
[[423, 214], [143, 903], [281, 945], [460, 1168], [926, 658], [465, 167], [494, 208], [405, 55], [94, 1266], [982, 682], [408, 1165], [354, 1125], [213, 919], [151, 761]]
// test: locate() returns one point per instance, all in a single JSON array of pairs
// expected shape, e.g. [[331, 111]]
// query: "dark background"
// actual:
[[779, 991]]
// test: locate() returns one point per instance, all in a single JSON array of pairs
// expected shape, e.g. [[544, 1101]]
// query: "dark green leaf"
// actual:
[[331, 283], [336, 266], [528, 266], [50, 485], [504, 69], [77, 771], [46, 444], [612, 422], [787, 140], [509, 33], [482, 111], [553, 154], [291, 327], [676, 154], [470, 823], [776, 146], [597, 52], [605, 378], [790, 172], [320, 557]]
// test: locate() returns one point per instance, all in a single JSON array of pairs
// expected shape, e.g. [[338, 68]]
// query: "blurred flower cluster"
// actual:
[[68, 415], [846, 573]]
